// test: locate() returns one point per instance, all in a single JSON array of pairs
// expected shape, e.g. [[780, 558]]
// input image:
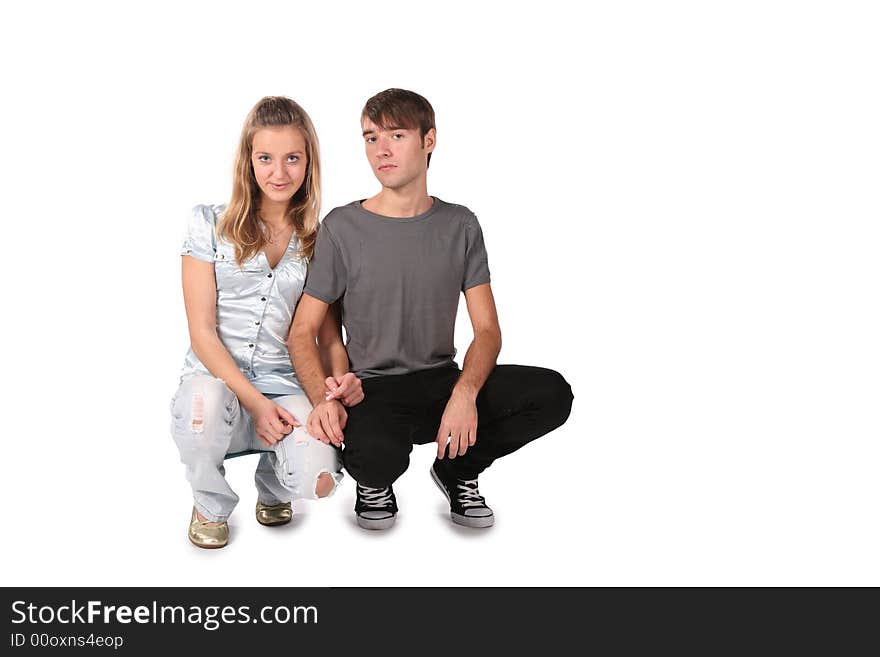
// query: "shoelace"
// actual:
[[468, 495], [375, 497]]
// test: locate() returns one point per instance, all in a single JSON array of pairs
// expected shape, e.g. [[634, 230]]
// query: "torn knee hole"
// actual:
[[324, 485], [197, 414]]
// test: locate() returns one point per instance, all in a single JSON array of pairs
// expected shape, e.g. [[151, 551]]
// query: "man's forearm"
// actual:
[[479, 361], [309, 368], [334, 357], [335, 360]]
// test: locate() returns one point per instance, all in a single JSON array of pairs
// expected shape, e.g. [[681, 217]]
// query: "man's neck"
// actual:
[[400, 203]]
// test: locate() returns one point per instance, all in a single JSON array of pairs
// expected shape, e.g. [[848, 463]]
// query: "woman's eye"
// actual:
[[293, 158], [263, 158]]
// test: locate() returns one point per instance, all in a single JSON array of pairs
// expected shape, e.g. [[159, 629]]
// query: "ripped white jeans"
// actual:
[[209, 424]]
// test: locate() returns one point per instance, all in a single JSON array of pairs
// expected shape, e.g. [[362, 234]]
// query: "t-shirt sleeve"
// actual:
[[328, 276], [476, 266], [200, 241]]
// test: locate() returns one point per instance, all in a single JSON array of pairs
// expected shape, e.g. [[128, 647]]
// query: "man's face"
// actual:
[[397, 155]]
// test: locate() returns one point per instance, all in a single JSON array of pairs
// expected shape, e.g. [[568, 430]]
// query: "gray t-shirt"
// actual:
[[399, 280]]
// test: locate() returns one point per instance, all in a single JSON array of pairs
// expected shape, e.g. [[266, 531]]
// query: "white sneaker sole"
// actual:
[[375, 523], [475, 522]]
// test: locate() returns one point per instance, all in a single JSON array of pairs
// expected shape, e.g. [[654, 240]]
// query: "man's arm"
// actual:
[[328, 416], [334, 357], [459, 422], [342, 384]]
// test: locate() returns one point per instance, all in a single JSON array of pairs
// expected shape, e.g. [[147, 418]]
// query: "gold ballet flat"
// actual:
[[208, 536], [278, 514]]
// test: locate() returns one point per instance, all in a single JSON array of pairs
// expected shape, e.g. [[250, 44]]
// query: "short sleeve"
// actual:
[[200, 240], [328, 275], [476, 266]]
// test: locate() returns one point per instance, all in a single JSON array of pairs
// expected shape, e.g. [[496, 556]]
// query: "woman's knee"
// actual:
[[324, 485], [310, 469], [203, 411], [311, 485], [297, 405]]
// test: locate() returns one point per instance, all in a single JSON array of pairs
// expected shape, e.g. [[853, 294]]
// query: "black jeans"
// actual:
[[516, 405]]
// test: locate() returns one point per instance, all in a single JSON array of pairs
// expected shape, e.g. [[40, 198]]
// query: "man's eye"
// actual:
[[398, 135]]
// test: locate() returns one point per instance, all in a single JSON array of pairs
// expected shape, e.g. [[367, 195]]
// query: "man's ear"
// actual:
[[430, 140]]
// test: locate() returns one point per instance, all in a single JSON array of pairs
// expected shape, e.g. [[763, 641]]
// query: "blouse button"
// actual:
[[251, 345], [269, 276], [263, 299], [257, 322]]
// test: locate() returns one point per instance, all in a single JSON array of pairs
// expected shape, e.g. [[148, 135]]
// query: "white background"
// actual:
[[680, 205]]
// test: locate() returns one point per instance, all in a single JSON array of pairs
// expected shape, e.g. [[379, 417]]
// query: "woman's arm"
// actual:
[[200, 299]]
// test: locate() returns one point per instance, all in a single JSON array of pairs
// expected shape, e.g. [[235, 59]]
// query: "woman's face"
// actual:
[[279, 161]]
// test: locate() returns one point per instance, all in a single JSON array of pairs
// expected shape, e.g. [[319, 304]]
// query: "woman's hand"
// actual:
[[348, 389], [271, 422]]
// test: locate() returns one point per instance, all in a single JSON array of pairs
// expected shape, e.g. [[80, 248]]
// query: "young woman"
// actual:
[[244, 266]]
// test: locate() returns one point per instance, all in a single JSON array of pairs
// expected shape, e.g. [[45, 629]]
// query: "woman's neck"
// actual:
[[273, 214]]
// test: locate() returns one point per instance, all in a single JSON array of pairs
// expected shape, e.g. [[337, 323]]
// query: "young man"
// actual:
[[399, 261]]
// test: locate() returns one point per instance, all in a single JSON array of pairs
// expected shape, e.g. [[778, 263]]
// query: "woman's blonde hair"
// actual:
[[240, 223]]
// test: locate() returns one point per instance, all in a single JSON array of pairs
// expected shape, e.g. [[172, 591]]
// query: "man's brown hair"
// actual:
[[399, 108]]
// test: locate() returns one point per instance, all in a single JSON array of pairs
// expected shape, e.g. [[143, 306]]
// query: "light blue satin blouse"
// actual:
[[255, 304]]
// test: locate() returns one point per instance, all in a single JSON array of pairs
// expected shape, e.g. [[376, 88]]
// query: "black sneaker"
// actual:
[[466, 506], [376, 508]]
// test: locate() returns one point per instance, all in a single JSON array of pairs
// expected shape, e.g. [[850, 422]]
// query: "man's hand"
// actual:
[[348, 389], [458, 426], [271, 422], [326, 422]]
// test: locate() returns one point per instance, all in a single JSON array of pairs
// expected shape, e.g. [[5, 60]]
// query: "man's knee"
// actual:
[[557, 395], [376, 463], [561, 390], [545, 389]]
